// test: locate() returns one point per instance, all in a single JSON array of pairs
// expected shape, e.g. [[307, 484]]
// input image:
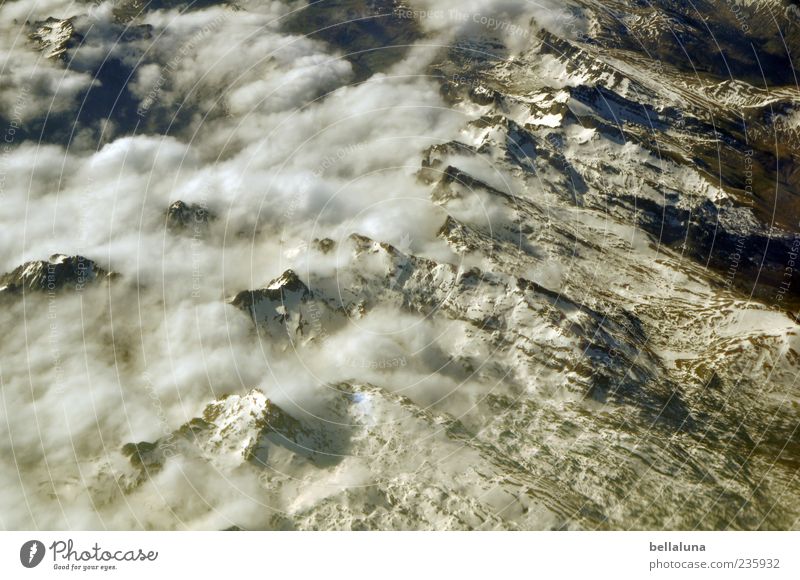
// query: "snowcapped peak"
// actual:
[[54, 36], [289, 281]]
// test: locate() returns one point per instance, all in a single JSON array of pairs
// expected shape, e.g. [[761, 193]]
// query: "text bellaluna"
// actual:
[[679, 547]]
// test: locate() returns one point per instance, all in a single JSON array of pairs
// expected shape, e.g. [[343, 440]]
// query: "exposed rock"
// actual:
[[59, 273], [191, 219], [232, 431], [326, 245], [54, 37], [377, 38], [287, 309], [126, 11]]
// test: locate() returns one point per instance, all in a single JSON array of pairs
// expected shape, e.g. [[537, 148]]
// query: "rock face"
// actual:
[[54, 37], [629, 134], [231, 431], [57, 274], [374, 34], [126, 11], [562, 376], [109, 96], [191, 219]]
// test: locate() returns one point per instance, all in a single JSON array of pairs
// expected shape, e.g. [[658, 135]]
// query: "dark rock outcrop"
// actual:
[[59, 273]]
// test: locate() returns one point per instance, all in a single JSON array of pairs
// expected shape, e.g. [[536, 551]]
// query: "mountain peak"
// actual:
[[60, 272], [289, 281], [55, 36]]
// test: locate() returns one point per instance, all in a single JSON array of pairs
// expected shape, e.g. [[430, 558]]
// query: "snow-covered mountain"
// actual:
[[423, 265]]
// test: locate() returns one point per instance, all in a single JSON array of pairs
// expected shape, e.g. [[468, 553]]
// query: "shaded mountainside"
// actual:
[[59, 273], [704, 163]]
